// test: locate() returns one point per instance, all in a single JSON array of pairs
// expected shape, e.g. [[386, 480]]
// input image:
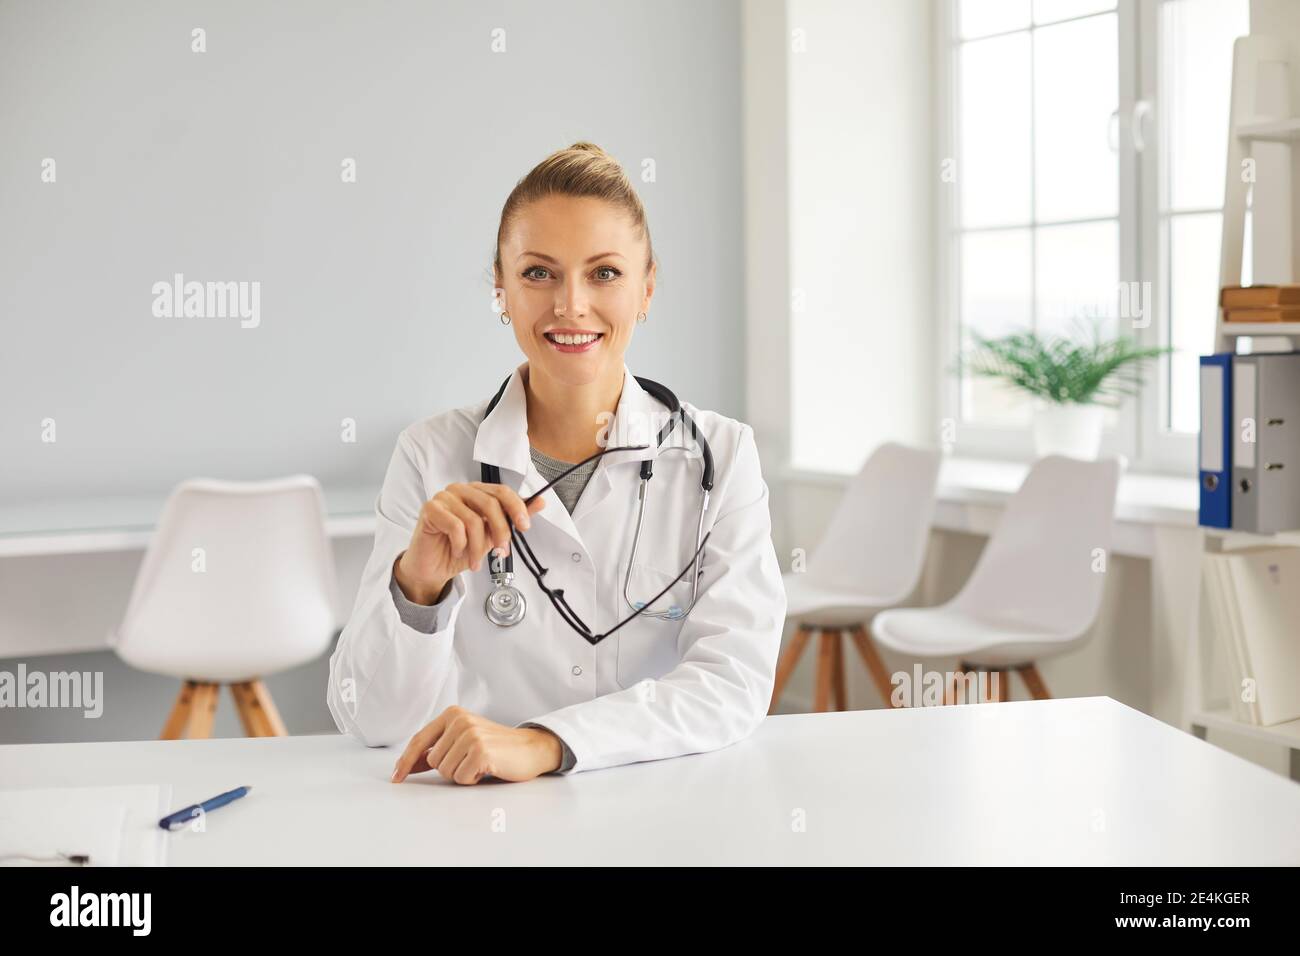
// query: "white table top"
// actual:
[[1075, 781]]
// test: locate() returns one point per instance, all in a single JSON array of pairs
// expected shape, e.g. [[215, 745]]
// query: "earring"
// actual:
[[640, 316], [505, 318]]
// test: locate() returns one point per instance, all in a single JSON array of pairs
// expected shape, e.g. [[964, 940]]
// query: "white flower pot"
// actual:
[[1073, 430]]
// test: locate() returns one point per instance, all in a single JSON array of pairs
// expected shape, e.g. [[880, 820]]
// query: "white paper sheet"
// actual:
[[1267, 585], [114, 826]]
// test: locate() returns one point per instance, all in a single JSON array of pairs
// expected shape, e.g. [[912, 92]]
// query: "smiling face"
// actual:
[[574, 278]]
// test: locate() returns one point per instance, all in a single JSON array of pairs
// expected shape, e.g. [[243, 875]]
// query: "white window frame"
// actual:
[[1139, 434], [1162, 450]]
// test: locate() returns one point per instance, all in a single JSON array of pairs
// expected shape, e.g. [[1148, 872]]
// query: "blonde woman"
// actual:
[[632, 610]]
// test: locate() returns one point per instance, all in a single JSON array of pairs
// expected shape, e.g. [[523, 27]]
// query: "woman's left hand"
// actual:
[[465, 748]]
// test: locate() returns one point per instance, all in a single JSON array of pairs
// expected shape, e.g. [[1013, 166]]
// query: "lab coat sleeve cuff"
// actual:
[[424, 618], [568, 760]]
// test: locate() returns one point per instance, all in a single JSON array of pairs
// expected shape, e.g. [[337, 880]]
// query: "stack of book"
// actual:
[[1260, 303], [1254, 603]]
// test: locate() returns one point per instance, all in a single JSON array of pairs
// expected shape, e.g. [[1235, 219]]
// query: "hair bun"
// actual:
[[582, 170]]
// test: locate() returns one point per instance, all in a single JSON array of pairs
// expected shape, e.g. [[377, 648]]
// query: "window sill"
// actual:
[[973, 491]]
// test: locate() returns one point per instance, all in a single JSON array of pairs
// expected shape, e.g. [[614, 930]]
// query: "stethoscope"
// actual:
[[505, 605]]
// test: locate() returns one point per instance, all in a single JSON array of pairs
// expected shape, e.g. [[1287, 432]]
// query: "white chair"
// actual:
[[237, 584], [870, 558], [1036, 588]]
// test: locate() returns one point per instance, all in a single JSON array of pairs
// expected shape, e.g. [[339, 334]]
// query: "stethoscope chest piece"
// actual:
[[505, 606]]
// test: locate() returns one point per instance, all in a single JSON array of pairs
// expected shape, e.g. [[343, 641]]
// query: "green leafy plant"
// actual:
[[1082, 369]]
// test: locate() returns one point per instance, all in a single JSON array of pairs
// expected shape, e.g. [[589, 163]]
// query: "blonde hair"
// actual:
[[581, 170]]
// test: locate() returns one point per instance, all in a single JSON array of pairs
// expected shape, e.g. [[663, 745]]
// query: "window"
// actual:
[[1071, 180], [1194, 62]]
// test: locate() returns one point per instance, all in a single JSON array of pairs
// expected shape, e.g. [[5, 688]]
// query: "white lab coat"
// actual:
[[654, 688]]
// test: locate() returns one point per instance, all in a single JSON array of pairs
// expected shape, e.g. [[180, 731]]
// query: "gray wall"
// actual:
[[375, 296]]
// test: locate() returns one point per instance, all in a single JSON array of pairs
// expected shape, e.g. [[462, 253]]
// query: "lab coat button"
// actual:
[[577, 671], [576, 556]]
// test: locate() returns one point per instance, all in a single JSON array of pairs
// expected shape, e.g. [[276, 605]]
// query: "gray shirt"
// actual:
[[421, 617], [569, 488]]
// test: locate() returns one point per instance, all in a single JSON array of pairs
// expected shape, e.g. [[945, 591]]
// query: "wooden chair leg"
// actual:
[[256, 710], [1034, 681], [988, 685], [1002, 690], [822, 691], [875, 664], [789, 660], [202, 711], [950, 689], [246, 705], [180, 715], [839, 687], [272, 725]]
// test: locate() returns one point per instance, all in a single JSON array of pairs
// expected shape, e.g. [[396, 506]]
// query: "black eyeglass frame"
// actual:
[[505, 565], [556, 595]]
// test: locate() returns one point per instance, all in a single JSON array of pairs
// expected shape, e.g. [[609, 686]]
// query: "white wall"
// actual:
[[1281, 18], [766, 135], [375, 295], [862, 184]]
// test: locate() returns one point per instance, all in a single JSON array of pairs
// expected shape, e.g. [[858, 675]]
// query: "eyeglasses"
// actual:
[[556, 595]]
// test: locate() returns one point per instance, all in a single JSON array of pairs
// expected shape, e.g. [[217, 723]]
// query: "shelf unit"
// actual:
[[1221, 719], [1269, 131], [1232, 330], [1262, 129], [1286, 735]]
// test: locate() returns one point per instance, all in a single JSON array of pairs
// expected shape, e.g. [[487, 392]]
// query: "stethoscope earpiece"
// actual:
[[674, 613]]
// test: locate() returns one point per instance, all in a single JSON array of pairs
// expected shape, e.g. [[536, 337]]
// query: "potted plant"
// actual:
[[1071, 378]]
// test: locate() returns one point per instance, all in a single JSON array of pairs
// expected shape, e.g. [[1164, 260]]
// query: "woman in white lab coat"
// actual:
[[419, 662]]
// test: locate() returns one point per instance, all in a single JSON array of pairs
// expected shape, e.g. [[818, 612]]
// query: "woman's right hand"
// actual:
[[455, 530]]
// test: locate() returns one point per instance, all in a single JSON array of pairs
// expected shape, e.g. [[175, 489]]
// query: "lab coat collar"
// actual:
[[502, 438]]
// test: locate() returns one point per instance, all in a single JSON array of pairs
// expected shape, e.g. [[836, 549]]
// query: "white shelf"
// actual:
[[1260, 328], [1230, 540], [1274, 131], [1288, 734]]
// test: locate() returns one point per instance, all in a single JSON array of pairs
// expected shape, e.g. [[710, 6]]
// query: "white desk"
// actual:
[[1083, 781]]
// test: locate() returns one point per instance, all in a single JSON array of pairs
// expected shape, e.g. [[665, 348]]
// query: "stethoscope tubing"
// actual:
[[506, 605], [643, 494]]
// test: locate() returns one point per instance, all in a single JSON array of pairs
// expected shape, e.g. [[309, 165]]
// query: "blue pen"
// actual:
[[181, 817]]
